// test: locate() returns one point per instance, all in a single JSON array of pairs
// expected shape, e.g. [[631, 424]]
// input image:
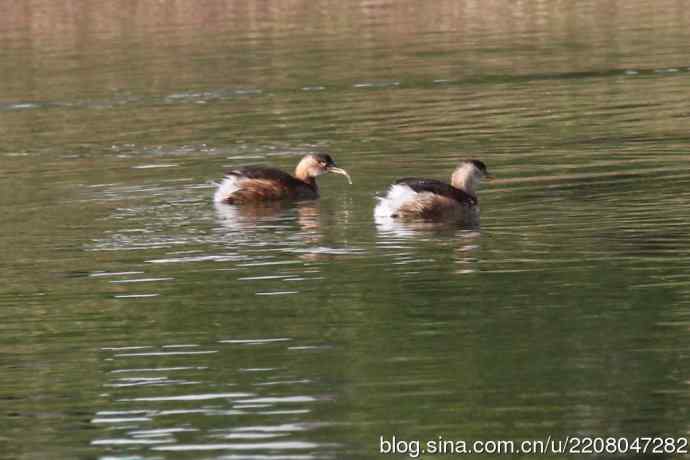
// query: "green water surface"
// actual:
[[138, 321]]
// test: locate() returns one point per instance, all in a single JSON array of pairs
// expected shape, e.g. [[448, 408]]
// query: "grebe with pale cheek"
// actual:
[[430, 199], [252, 184]]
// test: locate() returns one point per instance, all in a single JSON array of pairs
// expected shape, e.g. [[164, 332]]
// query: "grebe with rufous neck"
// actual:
[[431, 199], [251, 184]]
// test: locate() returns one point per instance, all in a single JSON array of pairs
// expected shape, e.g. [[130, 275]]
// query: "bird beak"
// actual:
[[489, 177], [342, 172]]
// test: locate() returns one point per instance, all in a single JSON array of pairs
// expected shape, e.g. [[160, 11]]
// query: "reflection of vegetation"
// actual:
[[519, 71], [258, 44]]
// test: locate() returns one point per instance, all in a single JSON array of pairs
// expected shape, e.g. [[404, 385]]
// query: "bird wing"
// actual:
[[262, 173], [437, 187], [258, 183]]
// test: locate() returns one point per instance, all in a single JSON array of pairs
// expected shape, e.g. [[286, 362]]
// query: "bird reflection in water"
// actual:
[[269, 215], [459, 238], [286, 225], [387, 225], [294, 227]]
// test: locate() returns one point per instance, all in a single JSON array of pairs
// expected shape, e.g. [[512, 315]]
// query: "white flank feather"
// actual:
[[226, 188], [397, 195]]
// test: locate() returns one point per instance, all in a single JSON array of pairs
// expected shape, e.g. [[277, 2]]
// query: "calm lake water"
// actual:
[[138, 321]]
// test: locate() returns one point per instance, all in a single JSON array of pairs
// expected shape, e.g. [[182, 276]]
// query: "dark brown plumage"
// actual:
[[431, 199], [438, 187], [259, 183]]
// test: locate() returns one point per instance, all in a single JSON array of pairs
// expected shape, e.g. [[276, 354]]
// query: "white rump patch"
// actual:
[[230, 185], [397, 195]]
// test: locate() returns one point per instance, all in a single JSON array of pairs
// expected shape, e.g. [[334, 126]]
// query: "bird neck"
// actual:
[[464, 179], [302, 173]]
